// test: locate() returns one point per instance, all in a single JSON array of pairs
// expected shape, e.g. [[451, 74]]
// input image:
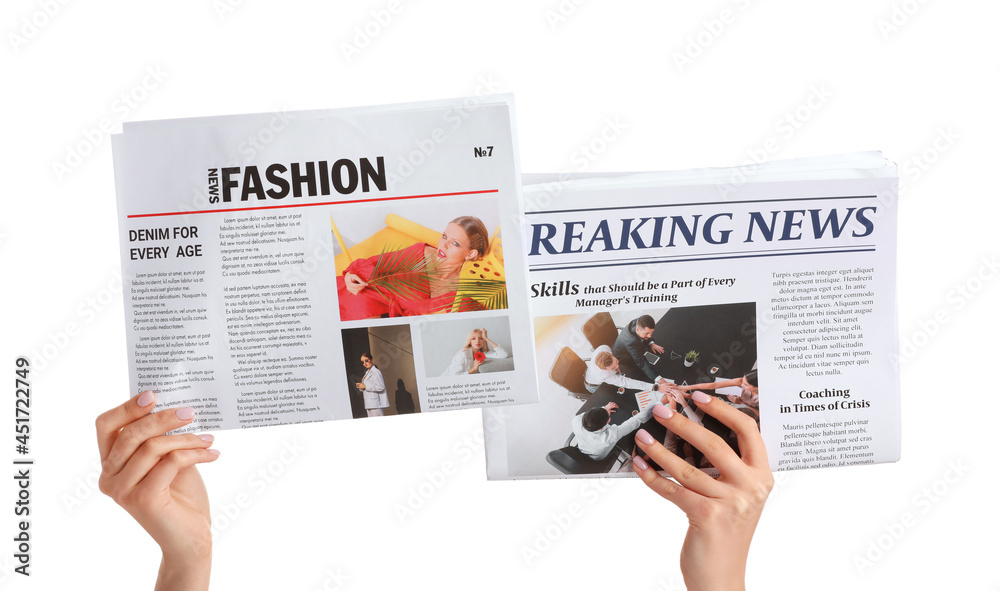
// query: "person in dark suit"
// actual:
[[633, 343]]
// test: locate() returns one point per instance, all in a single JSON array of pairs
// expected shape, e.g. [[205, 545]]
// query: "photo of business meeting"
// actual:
[[602, 375]]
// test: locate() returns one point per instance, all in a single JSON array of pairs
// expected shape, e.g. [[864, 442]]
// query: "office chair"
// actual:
[[570, 460], [568, 371], [600, 330]]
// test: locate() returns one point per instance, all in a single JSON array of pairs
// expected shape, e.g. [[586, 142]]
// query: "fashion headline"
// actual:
[[309, 179]]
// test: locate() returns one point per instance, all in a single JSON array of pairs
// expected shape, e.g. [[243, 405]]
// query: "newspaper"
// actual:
[[303, 266], [770, 286]]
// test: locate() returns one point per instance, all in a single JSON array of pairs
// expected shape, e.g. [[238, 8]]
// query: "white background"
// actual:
[[598, 87]]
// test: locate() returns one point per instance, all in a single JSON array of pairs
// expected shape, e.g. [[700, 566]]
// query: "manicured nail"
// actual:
[[640, 463], [185, 413], [207, 438], [213, 451], [663, 412], [145, 399], [644, 437], [701, 397]]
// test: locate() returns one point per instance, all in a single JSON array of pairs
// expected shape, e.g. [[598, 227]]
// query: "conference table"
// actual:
[[724, 335]]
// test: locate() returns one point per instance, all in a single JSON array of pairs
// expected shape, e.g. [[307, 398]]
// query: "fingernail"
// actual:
[[145, 399], [663, 412], [185, 413], [640, 463], [213, 451], [644, 437], [207, 438], [701, 397]]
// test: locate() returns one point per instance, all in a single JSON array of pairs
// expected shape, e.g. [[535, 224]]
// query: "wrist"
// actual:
[[191, 573], [193, 548]]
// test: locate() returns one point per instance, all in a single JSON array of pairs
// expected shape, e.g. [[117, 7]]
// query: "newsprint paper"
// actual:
[[770, 286], [304, 266]]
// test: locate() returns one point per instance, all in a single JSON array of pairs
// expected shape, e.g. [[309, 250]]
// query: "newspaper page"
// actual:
[[304, 266], [771, 287]]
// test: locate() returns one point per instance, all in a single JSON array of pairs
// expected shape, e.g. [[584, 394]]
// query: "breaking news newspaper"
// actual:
[[304, 266], [769, 286]]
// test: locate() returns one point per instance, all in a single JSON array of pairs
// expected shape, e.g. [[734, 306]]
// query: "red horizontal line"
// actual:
[[150, 215]]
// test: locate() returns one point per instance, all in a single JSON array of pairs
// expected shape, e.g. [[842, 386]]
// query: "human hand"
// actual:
[[669, 400], [359, 385], [611, 407], [483, 330], [671, 396], [722, 514], [733, 398], [475, 365], [353, 283], [153, 477], [656, 348]]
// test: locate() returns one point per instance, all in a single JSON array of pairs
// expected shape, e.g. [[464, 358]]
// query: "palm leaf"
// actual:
[[490, 293], [471, 293], [397, 275]]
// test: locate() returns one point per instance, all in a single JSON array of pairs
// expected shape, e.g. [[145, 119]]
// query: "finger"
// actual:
[[137, 432], [166, 469], [152, 451], [686, 474], [112, 421], [748, 437], [684, 498], [715, 448]]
